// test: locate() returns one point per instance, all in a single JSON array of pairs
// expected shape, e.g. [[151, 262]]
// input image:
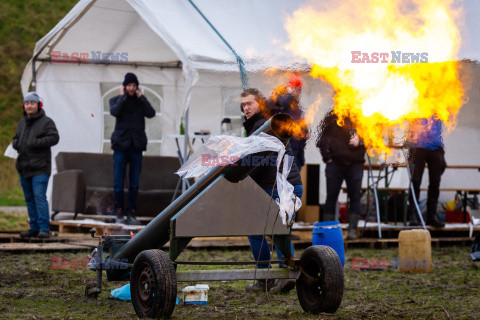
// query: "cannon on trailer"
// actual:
[[225, 202]]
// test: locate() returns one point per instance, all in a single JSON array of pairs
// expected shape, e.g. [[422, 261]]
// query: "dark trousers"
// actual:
[[435, 159], [336, 174], [259, 245], [35, 191], [120, 160]]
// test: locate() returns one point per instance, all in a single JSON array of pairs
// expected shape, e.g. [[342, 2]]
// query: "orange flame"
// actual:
[[299, 128], [381, 96]]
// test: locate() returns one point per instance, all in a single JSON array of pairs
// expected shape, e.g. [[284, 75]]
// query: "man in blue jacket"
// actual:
[[426, 147], [128, 140]]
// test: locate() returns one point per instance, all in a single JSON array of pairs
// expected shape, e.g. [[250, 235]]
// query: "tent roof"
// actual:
[[181, 33], [168, 31]]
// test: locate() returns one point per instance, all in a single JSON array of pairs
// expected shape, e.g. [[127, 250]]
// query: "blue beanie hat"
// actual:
[[130, 78], [32, 96]]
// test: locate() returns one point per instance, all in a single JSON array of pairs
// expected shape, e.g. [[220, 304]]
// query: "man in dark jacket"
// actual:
[[265, 176], [344, 155], [36, 134], [128, 140], [426, 147]]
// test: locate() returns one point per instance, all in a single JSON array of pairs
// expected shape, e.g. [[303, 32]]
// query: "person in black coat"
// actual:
[[344, 155], [265, 176], [36, 134], [128, 140]]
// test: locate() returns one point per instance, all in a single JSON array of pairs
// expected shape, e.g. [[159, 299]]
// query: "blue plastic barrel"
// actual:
[[329, 233]]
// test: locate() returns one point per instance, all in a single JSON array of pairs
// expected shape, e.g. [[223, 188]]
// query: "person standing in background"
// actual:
[[128, 140], [344, 155], [426, 147], [36, 134]]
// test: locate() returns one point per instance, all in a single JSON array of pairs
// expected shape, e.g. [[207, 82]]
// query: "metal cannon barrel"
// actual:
[[156, 233]]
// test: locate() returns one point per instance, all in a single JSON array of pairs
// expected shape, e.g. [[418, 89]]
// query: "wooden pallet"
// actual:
[[50, 247], [80, 226]]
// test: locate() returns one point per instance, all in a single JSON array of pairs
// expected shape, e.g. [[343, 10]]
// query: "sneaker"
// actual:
[[28, 234], [132, 221], [283, 286], [44, 234], [260, 285]]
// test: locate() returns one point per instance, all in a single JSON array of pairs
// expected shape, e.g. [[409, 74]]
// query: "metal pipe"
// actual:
[[156, 233]]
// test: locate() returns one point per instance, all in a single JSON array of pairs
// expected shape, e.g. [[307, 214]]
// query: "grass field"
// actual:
[[13, 221], [31, 289]]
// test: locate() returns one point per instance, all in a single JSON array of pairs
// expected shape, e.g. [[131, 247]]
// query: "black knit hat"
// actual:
[[130, 78]]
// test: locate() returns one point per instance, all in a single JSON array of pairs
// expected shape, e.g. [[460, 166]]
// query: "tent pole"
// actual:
[[241, 65], [185, 148], [34, 75]]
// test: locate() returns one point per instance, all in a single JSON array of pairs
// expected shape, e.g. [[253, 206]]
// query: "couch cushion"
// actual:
[[159, 173], [150, 203], [98, 200], [97, 168]]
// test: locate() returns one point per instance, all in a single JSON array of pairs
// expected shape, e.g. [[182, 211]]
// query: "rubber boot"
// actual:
[[352, 226], [413, 218], [435, 221]]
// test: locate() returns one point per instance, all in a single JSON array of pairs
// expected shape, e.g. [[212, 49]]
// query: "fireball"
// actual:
[[389, 62]]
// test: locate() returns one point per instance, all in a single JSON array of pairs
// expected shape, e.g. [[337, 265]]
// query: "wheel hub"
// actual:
[[146, 287]]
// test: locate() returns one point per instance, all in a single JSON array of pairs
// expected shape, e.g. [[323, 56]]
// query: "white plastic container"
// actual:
[[197, 294]]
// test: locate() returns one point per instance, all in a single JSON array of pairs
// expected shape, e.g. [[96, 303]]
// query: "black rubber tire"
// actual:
[[323, 264], [154, 269]]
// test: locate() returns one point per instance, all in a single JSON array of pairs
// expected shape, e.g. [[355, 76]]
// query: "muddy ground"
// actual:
[[31, 289]]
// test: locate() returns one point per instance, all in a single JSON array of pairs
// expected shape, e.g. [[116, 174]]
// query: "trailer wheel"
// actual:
[[153, 284], [320, 286]]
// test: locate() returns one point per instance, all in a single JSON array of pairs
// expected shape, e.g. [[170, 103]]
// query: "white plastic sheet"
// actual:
[[288, 201], [224, 150]]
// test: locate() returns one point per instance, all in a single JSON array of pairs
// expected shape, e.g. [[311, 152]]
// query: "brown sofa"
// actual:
[[84, 184]]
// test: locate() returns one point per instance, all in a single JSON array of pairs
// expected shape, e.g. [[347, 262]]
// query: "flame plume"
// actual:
[[381, 96]]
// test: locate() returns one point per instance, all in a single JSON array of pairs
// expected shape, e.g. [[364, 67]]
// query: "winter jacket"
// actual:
[[333, 142], [130, 113], [33, 140], [266, 175]]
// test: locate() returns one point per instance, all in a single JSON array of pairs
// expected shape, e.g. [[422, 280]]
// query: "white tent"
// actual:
[[182, 63], [174, 53]]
